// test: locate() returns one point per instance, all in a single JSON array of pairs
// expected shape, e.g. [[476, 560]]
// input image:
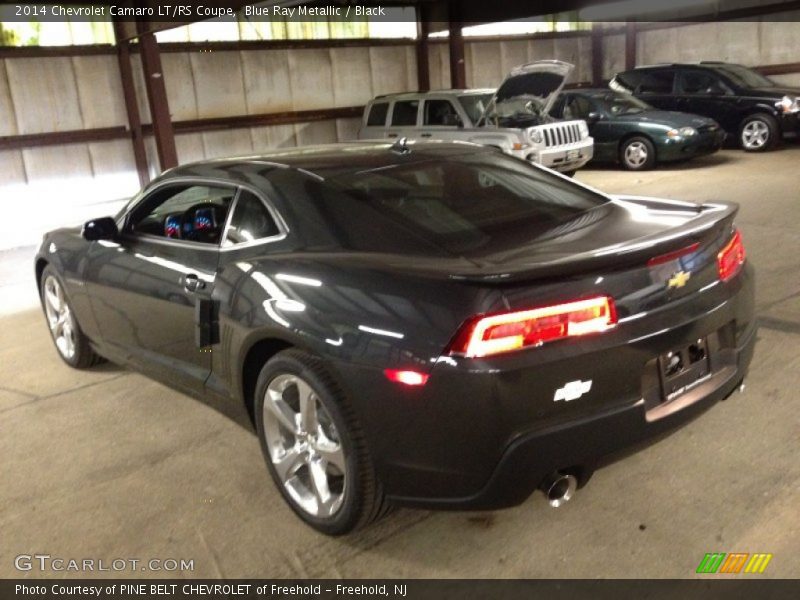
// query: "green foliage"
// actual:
[[8, 37]]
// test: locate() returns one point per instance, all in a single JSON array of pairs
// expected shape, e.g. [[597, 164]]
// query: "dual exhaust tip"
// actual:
[[559, 488]]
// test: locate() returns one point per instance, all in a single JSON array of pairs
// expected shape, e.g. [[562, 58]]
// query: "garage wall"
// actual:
[[39, 95], [488, 62], [229, 83], [747, 42], [67, 184]]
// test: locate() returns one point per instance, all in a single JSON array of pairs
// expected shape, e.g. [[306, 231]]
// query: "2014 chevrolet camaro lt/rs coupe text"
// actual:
[[433, 325]]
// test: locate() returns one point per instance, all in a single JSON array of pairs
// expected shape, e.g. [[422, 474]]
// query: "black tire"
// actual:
[[82, 355], [569, 173], [363, 500], [759, 133], [637, 153]]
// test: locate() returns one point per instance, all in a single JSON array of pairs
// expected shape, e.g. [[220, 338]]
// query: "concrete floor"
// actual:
[[108, 464]]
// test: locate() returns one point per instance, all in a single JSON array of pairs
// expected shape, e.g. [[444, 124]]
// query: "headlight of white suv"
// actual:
[[536, 136], [788, 104], [584, 129]]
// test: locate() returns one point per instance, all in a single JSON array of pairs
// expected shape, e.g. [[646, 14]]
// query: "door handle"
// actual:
[[192, 283], [391, 135], [425, 135]]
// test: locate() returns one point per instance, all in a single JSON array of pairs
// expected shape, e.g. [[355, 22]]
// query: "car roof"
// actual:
[[448, 92], [702, 63], [322, 160]]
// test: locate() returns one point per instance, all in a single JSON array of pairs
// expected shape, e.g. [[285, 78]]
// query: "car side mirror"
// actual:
[[104, 228], [593, 117]]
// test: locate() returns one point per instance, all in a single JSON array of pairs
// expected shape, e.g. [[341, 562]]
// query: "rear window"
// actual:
[[377, 114], [465, 205], [405, 113]]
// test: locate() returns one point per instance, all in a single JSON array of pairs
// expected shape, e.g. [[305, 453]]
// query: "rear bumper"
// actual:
[[592, 442], [483, 434]]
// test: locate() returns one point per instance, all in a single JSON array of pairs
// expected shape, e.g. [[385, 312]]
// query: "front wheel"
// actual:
[[758, 133], [313, 445], [72, 345], [637, 154]]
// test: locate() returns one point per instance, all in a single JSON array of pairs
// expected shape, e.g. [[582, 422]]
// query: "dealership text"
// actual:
[[89, 12], [175, 11], [45, 562], [202, 589]]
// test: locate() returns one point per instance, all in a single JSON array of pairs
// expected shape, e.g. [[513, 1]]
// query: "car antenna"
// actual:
[[401, 146]]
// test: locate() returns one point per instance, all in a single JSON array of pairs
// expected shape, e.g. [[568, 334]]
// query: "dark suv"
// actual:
[[746, 104]]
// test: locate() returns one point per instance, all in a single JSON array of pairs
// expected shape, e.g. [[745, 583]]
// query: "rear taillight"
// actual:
[[731, 258], [495, 334]]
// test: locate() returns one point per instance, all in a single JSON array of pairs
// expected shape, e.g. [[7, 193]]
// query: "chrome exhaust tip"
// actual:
[[559, 488]]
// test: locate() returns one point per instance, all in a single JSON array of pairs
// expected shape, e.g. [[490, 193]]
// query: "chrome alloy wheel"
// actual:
[[755, 135], [635, 154], [59, 317], [304, 446]]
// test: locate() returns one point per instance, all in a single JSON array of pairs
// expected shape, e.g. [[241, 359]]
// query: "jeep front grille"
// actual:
[[561, 134]]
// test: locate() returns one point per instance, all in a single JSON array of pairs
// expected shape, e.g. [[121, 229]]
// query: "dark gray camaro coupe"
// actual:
[[435, 325]]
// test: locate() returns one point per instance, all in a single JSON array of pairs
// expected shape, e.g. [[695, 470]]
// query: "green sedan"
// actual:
[[633, 133]]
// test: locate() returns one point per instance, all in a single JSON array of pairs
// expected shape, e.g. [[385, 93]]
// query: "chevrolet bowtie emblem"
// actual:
[[679, 279]]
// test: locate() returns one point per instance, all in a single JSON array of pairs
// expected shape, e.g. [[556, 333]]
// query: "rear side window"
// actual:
[[377, 114], [405, 112], [697, 82], [657, 82], [251, 220]]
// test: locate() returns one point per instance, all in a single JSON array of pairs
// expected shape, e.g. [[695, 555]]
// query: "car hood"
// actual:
[[665, 117], [539, 83]]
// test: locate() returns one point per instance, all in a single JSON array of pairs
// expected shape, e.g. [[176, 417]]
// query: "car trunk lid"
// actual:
[[625, 232]]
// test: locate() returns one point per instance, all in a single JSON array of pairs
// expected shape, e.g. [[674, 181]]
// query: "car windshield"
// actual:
[[474, 105], [465, 205], [621, 104], [744, 77]]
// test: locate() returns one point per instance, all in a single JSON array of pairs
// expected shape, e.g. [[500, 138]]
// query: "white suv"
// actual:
[[514, 118]]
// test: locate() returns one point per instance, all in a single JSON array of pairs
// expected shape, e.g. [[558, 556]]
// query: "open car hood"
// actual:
[[532, 88]]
